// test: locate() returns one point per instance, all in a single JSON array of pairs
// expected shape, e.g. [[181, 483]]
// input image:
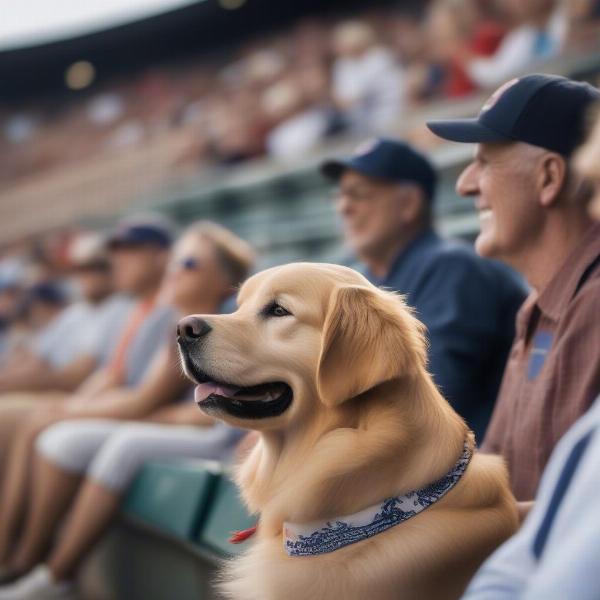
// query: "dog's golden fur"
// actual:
[[366, 423]]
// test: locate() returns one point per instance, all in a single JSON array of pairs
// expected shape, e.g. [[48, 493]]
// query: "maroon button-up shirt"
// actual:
[[553, 372]]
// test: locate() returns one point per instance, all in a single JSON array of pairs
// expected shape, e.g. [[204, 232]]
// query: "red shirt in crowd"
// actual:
[[485, 42]]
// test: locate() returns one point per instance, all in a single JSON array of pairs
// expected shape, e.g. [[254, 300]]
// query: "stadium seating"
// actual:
[[286, 210], [175, 524], [172, 497]]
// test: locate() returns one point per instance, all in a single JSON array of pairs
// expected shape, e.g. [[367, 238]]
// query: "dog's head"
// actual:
[[305, 338]]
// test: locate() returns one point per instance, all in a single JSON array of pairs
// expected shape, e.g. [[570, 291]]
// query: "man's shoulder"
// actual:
[[442, 248], [459, 256], [585, 302], [68, 317]]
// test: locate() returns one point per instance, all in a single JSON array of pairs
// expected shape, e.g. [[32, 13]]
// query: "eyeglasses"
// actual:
[[187, 263], [352, 194], [98, 266]]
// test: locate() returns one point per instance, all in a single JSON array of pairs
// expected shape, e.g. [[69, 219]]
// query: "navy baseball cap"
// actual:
[[153, 230], [542, 110], [387, 159], [48, 293]]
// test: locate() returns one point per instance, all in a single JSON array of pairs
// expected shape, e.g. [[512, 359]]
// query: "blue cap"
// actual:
[[387, 159], [47, 292], [152, 230], [543, 110]]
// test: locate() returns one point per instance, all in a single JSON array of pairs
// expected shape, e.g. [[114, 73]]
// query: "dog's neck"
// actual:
[[406, 437]]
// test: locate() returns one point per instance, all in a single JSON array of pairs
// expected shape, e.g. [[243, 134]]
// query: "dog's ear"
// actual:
[[369, 337]]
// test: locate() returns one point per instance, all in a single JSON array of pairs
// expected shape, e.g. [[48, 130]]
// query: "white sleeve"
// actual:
[[570, 563], [570, 560], [514, 53], [105, 328]]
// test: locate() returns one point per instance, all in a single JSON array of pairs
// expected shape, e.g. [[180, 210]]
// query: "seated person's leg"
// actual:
[[14, 408], [63, 452], [113, 469]]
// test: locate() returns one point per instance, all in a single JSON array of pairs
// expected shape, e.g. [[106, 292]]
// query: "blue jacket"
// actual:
[[469, 306]]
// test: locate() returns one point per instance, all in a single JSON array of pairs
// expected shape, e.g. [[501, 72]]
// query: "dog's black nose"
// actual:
[[192, 328]]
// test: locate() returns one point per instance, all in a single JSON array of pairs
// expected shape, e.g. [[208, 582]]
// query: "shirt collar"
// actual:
[[413, 247], [554, 299]]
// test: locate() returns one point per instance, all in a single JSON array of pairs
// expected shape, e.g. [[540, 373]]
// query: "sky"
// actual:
[[31, 22]]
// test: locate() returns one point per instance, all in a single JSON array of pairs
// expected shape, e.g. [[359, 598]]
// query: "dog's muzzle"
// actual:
[[219, 398]]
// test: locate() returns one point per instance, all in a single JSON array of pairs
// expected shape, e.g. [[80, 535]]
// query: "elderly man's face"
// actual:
[[501, 179], [372, 212], [587, 162]]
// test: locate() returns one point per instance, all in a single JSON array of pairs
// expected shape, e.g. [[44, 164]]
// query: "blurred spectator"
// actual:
[[235, 134], [207, 265], [556, 554], [583, 28], [385, 198], [105, 109], [457, 33], [533, 215], [297, 127], [11, 294], [64, 352], [400, 58], [367, 82], [44, 301], [262, 69], [538, 31], [129, 341], [139, 251], [40, 304]]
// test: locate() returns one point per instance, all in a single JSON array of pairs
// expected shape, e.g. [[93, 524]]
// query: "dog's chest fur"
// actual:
[[363, 571]]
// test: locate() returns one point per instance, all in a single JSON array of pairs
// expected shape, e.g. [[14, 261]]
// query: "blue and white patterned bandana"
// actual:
[[315, 538]]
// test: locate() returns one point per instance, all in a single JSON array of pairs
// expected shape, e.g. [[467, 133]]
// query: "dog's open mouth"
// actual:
[[256, 402]]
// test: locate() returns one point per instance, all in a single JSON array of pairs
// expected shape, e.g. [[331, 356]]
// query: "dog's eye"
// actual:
[[275, 310]]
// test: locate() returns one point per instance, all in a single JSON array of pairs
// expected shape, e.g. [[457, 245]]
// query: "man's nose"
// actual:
[[343, 205], [192, 328], [467, 185]]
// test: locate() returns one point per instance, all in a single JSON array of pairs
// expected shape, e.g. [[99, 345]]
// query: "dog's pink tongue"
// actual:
[[204, 390]]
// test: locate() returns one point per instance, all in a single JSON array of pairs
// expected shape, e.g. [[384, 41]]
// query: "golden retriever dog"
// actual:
[[331, 371]]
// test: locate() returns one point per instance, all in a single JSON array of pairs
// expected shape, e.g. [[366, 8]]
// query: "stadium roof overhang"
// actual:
[[132, 38], [36, 22]]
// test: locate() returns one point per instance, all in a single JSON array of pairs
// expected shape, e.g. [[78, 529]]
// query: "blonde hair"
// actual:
[[236, 257]]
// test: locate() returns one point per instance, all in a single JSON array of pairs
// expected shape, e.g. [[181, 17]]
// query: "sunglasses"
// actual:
[[187, 263]]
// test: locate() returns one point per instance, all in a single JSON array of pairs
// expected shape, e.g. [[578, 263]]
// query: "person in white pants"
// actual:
[[82, 465]]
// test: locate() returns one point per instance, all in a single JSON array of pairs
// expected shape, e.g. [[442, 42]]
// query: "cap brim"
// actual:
[[333, 169], [118, 242], [468, 131]]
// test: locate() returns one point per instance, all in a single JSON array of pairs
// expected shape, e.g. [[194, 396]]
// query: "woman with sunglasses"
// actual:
[[84, 463]]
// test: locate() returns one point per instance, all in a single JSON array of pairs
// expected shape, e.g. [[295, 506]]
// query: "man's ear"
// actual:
[[411, 202], [553, 178], [369, 337]]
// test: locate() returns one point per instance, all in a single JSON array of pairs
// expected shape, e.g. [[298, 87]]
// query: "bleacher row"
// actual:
[[290, 216], [173, 531], [286, 211]]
